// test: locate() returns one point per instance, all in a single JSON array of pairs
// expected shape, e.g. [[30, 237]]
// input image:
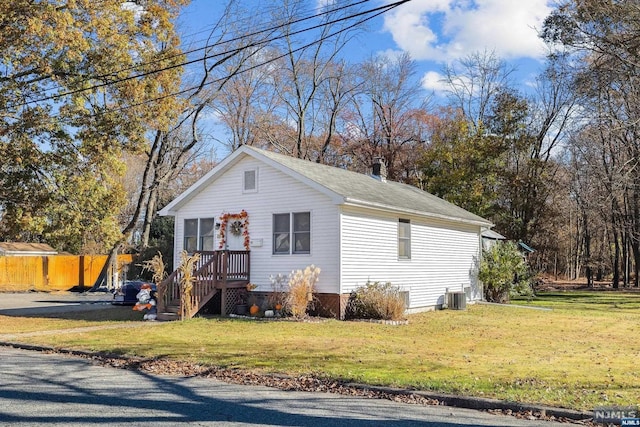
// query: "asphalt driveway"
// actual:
[[42, 303]]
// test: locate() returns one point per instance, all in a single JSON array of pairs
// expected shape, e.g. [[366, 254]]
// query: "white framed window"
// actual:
[[190, 243], [292, 233], [198, 234], [250, 181], [404, 239], [281, 237], [206, 232]]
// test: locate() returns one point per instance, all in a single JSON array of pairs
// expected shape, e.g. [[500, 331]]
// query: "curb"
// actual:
[[484, 404], [467, 402]]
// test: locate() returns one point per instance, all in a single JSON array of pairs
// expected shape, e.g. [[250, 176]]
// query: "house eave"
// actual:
[[27, 253], [389, 208]]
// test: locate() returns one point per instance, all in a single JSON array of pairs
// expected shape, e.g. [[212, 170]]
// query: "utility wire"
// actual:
[[182, 54], [381, 10]]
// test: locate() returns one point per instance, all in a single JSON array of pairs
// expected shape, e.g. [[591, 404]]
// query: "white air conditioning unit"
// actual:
[[457, 300]]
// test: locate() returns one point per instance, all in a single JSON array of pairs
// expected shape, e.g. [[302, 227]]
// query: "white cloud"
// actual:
[[434, 82], [445, 30]]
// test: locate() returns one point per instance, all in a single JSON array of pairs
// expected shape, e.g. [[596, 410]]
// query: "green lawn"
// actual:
[[582, 353]]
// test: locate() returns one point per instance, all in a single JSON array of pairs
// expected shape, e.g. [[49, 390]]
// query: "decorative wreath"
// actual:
[[239, 225], [236, 228]]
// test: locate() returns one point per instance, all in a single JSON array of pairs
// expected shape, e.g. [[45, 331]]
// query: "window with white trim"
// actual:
[[250, 181], [404, 239], [190, 243], [206, 232], [292, 233], [199, 234]]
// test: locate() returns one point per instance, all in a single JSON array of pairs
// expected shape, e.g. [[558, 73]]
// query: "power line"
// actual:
[[251, 19], [381, 10], [182, 54]]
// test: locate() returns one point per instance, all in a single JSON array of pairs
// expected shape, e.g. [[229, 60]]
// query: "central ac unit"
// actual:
[[457, 300]]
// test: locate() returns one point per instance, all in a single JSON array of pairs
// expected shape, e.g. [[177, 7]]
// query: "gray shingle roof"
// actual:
[[357, 188]]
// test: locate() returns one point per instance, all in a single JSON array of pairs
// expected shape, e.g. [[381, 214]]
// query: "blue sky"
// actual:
[[434, 32]]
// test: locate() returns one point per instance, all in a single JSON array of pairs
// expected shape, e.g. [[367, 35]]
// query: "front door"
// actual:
[[234, 238]]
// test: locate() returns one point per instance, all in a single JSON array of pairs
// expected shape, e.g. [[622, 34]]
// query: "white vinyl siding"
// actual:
[[278, 193], [444, 255]]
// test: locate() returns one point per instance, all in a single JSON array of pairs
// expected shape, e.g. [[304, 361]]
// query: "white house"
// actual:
[[291, 213]]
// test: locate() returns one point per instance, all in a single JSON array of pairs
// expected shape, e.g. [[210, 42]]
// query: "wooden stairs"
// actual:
[[216, 271]]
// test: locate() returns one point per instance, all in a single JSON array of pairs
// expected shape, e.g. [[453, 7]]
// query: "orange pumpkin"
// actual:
[[254, 309], [278, 307]]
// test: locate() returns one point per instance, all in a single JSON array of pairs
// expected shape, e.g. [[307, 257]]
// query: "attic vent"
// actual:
[[379, 169], [249, 182]]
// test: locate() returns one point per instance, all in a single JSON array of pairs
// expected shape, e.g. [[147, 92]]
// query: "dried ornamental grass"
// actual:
[[157, 267], [186, 268], [301, 289]]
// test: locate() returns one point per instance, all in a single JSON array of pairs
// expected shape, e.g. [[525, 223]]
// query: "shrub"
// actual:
[[504, 272], [376, 301], [301, 289]]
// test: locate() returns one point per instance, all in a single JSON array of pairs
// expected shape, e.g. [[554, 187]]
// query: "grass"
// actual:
[[581, 354], [67, 320]]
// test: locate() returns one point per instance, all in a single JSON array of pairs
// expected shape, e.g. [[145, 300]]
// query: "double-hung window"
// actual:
[[404, 239], [292, 233], [190, 243], [198, 234], [207, 227]]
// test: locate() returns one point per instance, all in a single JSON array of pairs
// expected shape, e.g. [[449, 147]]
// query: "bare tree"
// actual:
[[473, 82], [387, 117], [602, 36], [305, 67]]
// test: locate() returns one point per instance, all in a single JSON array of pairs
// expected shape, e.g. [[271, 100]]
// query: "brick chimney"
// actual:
[[379, 169]]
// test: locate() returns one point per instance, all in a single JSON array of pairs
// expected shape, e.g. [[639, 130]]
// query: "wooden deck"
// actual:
[[217, 271]]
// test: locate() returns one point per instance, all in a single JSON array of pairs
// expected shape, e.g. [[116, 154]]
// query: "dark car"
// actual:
[[126, 294]]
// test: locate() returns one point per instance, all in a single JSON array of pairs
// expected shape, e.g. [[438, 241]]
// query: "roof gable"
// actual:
[[342, 186]]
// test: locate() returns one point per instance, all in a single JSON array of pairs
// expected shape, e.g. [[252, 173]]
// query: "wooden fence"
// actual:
[[53, 272]]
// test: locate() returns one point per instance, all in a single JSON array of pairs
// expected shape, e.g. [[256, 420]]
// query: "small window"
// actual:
[[250, 181], [190, 243], [206, 234], [302, 233], [404, 239], [281, 237]]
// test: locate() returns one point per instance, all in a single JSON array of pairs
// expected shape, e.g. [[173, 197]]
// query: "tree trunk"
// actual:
[[149, 215], [616, 260]]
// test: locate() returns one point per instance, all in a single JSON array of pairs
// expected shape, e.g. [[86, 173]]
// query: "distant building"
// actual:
[[26, 249]]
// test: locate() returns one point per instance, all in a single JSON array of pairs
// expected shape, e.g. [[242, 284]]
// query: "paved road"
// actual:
[[40, 389]]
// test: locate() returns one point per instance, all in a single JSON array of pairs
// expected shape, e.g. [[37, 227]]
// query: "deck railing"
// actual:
[[214, 270]]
